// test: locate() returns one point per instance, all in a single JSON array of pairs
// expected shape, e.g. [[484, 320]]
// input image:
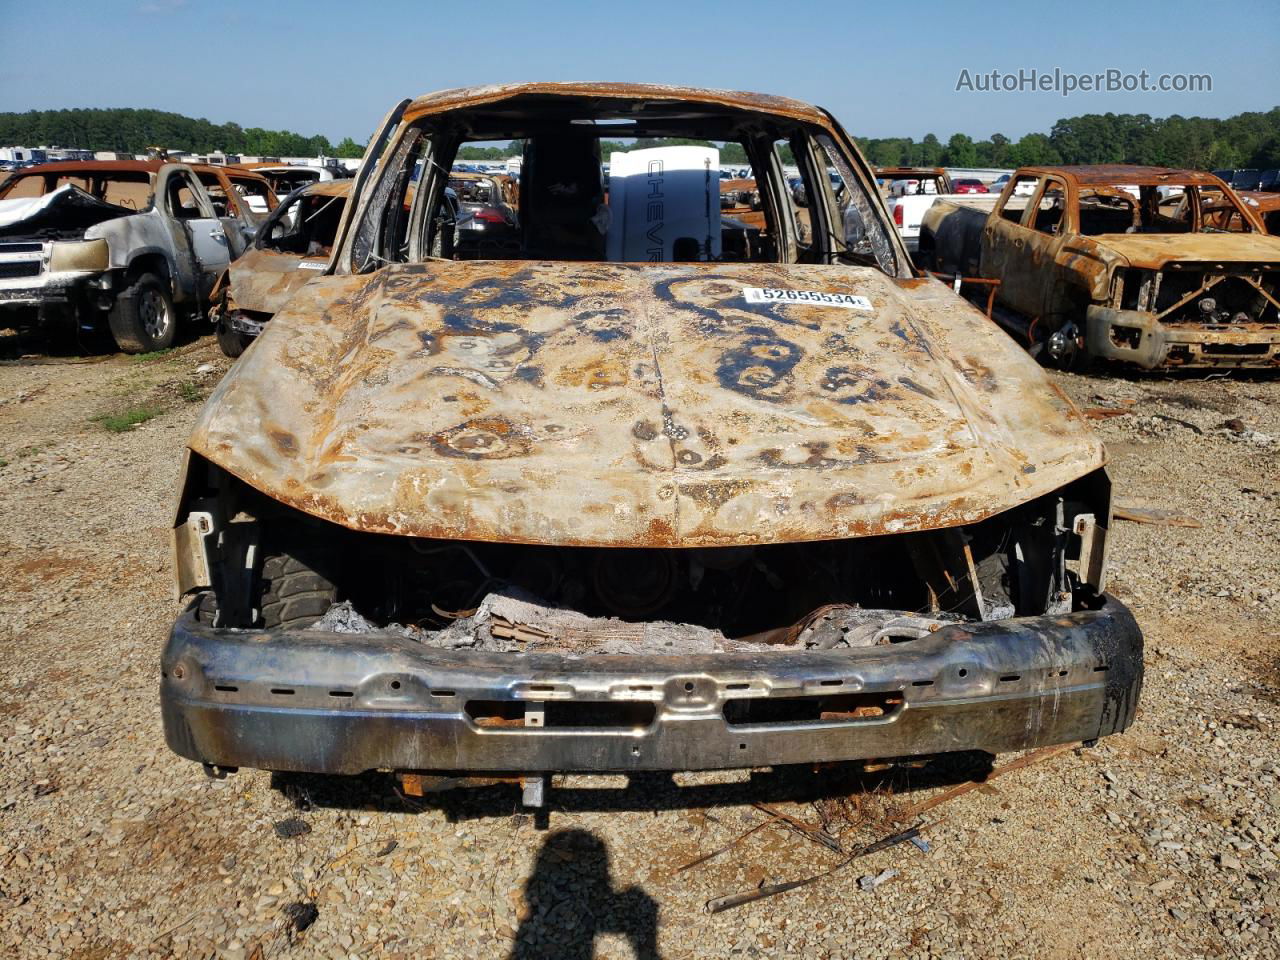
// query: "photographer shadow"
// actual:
[[570, 900]]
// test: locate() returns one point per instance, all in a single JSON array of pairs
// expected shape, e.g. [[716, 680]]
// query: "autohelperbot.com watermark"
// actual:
[[1066, 82]]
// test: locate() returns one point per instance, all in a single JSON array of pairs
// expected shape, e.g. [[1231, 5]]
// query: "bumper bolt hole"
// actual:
[[395, 684], [688, 687]]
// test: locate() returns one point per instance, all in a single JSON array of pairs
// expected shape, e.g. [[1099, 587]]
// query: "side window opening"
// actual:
[[1016, 205], [253, 194], [1217, 211], [1051, 208], [130, 194], [217, 196], [183, 204]]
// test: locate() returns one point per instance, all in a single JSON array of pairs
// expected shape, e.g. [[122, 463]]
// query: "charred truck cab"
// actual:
[[549, 511]]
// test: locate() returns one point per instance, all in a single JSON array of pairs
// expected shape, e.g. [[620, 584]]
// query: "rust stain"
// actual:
[[373, 387]]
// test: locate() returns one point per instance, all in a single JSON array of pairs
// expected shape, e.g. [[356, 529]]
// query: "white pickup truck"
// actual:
[[125, 246], [909, 192]]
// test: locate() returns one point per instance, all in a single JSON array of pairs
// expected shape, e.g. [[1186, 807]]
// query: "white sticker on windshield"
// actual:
[[848, 301], [304, 265]]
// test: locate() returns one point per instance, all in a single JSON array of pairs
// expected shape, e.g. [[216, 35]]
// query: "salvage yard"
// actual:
[[1162, 841]]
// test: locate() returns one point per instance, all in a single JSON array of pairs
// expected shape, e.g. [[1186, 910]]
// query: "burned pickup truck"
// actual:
[[699, 506], [1156, 267], [129, 247]]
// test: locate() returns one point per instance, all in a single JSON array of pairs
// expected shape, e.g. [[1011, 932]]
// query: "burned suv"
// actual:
[[632, 497]]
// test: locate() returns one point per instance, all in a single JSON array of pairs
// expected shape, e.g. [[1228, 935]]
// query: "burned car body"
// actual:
[[293, 245], [553, 513], [127, 245], [1143, 265]]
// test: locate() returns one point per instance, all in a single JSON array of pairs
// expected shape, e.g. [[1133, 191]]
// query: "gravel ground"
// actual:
[[1160, 842]]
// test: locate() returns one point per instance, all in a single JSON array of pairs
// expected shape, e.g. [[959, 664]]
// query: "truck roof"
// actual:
[[125, 166], [443, 100], [1112, 173]]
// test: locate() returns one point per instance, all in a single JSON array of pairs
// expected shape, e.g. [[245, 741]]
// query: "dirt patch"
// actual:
[[1120, 850]]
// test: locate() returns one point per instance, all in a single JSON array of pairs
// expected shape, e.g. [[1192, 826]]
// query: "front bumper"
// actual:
[[344, 704], [243, 323], [1138, 337]]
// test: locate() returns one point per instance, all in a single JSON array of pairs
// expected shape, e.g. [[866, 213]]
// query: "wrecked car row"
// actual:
[[128, 248], [625, 494], [1148, 266]]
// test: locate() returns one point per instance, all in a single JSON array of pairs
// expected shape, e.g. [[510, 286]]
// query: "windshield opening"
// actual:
[[726, 186]]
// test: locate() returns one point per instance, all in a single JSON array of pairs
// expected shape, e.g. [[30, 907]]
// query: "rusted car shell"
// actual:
[[263, 280], [1265, 205], [453, 400], [237, 207], [1070, 277]]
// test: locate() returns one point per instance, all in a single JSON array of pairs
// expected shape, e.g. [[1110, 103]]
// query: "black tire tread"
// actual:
[[294, 595], [123, 317], [231, 343]]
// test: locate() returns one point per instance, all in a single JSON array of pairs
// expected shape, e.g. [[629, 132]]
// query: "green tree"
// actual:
[[960, 152], [349, 149], [929, 152], [1033, 150]]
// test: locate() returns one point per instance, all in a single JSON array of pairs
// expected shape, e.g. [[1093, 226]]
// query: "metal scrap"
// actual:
[[728, 846], [1153, 515], [870, 882], [1026, 760], [720, 904], [810, 831], [508, 621]]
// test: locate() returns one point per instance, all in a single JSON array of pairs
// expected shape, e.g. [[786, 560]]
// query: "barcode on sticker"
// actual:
[[849, 301]]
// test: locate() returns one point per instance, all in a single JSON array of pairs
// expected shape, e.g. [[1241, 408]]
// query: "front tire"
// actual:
[[143, 318], [294, 596]]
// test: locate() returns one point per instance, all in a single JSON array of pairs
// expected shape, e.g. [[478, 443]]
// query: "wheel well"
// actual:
[[149, 263]]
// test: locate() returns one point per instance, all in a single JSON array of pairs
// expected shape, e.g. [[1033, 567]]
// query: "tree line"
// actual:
[[1198, 143], [127, 130], [1244, 140]]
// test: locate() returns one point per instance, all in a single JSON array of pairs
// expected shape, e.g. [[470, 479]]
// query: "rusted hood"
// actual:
[[632, 404], [264, 280], [1154, 250]]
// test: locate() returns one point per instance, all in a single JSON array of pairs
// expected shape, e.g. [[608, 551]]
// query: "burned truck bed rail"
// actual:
[[319, 702]]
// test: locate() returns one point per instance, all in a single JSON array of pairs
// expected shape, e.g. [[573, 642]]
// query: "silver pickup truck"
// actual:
[[125, 246]]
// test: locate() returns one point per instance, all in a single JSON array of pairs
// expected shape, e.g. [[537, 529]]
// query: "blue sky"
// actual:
[[883, 69]]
